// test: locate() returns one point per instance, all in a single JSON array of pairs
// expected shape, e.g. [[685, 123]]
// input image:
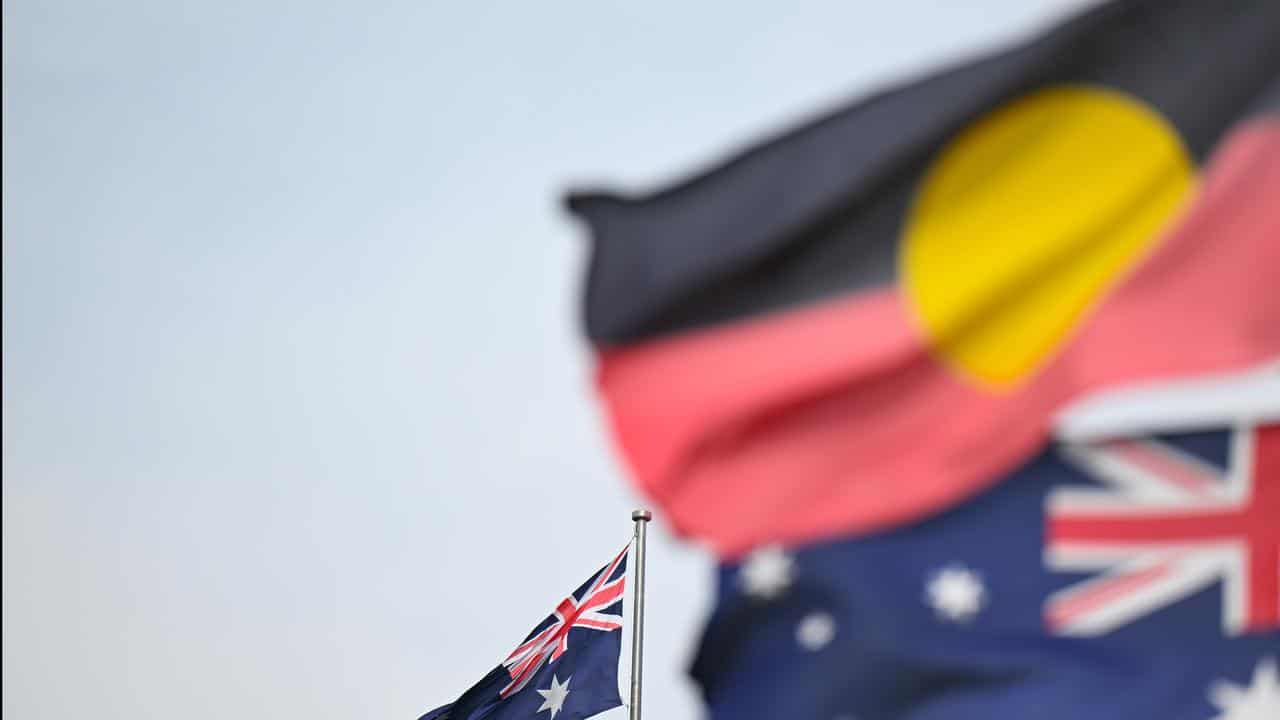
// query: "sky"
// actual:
[[297, 413]]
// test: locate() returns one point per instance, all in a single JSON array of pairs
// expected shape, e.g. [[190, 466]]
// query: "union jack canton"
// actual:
[[1170, 525]]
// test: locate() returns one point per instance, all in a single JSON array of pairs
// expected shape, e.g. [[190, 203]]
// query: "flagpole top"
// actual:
[[641, 514]]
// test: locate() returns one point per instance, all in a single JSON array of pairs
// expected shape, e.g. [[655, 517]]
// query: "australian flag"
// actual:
[[1121, 576], [566, 668]]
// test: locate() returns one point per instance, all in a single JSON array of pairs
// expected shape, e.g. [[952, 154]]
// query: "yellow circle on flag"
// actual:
[[1028, 216]]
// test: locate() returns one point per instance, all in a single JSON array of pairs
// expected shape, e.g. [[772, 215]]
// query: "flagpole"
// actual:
[[641, 519]]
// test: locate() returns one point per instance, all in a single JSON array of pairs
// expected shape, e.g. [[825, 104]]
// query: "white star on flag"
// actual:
[[956, 593], [766, 572], [816, 631], [1259, 701], [554, 696]]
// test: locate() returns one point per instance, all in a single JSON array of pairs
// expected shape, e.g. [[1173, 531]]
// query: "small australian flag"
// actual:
[[567, 667]]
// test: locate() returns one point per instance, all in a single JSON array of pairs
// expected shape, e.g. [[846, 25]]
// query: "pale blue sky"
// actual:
[[297, 418]]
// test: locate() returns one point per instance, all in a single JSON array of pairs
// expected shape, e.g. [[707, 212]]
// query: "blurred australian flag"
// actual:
[[1118, 577], [566, 669]]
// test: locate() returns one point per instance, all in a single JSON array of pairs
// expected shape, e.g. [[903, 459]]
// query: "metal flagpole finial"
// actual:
[[641, 514]]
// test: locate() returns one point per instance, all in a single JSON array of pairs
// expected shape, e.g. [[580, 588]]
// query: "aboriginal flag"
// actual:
[[878, 315]]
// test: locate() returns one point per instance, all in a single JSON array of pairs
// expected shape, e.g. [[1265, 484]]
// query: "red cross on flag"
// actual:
[[1169, 526]]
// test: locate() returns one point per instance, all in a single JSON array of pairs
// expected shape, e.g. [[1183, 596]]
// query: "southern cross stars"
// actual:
[[554, 696], [1259, 701], [766, 572], [815, 631], [956, 593]]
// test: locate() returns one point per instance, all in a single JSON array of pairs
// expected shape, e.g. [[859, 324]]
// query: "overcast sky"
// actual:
[[297, 416]]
